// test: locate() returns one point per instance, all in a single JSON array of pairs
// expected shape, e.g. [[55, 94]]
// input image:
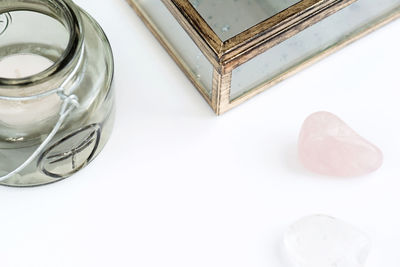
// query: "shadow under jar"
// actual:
[[56, 101]]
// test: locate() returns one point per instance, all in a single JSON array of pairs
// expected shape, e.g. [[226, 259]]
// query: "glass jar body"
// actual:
[[83, 67]]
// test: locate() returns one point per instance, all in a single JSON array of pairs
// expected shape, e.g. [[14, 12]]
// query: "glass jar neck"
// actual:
[[67, 57]]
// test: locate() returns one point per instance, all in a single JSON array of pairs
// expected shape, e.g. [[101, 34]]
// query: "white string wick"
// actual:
[[69, 103]]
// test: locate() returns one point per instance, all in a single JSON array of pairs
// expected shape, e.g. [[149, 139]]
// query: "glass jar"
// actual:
[[56, 101]]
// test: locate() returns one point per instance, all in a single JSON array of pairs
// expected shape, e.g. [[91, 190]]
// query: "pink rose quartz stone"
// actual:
[[328, 146]]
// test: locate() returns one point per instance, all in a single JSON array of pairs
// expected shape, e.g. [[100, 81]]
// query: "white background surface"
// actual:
[[177, 186]]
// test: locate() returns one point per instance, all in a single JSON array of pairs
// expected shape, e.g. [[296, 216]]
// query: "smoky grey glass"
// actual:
[[228, 18], [53, 122]]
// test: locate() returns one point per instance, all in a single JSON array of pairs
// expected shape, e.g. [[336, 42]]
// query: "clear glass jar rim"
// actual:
[[74, 44]]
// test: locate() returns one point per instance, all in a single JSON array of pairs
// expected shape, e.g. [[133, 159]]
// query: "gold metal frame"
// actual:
[[227, 55]]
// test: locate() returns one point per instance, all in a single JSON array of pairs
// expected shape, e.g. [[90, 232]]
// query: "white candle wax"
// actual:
[[25, 113], [23, 65]]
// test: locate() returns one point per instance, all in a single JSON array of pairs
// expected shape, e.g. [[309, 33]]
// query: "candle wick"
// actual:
[[17, 74]]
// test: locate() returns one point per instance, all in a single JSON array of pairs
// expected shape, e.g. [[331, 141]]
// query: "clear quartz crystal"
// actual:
[[323, 241]]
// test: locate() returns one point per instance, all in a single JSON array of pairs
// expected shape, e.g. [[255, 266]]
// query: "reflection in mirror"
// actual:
[[228, 18], [175, 37], [330, 32]]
